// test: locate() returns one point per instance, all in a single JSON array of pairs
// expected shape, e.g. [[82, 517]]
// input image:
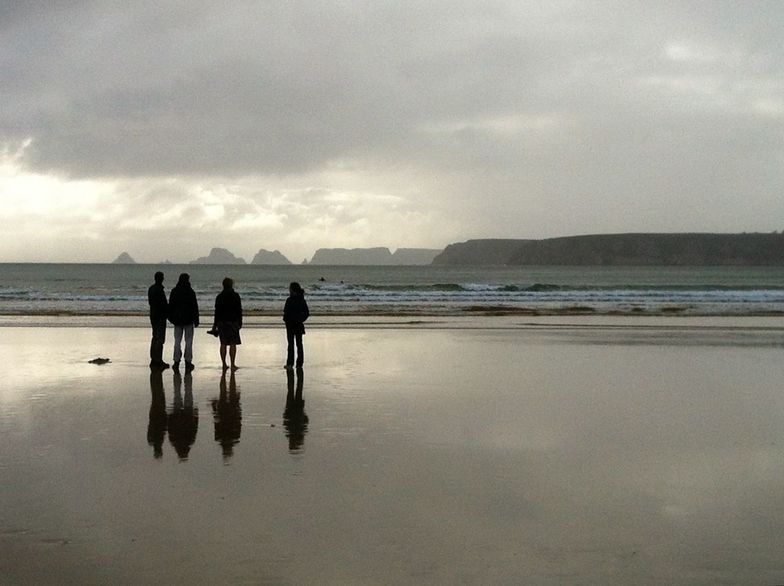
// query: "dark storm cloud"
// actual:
[[190, 87], [259, 87]]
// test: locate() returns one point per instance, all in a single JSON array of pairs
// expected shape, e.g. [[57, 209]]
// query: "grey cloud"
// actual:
[[183, 88]]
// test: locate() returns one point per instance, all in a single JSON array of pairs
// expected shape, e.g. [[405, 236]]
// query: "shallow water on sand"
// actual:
[[542, 456]]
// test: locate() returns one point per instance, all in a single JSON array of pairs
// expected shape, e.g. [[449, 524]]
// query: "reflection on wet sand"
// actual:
[[184, 416], [609, 464], [295, 421], [156, 429], [227, 415]]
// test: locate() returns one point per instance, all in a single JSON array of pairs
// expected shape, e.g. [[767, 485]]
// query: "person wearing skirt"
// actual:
[[228, 322]]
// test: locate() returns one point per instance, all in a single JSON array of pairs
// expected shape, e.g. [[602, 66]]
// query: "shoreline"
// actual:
[[476, 311], [632, 322]]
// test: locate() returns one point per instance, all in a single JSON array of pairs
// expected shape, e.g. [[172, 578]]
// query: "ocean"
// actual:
[[106, 289]]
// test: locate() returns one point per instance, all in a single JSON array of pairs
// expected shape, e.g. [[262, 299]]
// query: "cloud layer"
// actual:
[[393, 123]]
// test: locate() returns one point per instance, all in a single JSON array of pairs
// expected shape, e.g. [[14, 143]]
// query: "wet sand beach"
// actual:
[[492, 451]]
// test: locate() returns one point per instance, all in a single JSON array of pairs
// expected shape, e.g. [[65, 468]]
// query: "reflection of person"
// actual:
[[156, 429], [184, 417], [227, 415], [158, 312], [184, 314], [295, 313], [228, 321], [295, 421]]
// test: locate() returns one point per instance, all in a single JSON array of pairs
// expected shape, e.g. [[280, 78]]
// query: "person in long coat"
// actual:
[[159, 309], [295, 313]]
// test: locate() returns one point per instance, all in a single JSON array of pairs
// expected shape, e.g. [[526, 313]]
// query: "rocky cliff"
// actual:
[[373, 256], [266, 257], [124, 259], [352, 256], [414, 256], [219, 256], [479, 252]]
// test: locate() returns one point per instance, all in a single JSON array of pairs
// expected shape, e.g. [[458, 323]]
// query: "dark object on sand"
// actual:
[[213, 331], [99, 361]]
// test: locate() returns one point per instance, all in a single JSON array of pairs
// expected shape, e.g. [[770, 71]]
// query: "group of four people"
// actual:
[[182, 310]]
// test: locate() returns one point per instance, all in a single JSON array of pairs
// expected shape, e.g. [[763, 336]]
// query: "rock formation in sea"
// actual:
[[415, 256], [219, 256], [352, 256], [373, 256], [678, 249], [124, 259], [266, 257]]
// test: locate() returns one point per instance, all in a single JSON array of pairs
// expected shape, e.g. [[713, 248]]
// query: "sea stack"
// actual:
[[124, 259], [352, 256], [266, 257], [219, 256]]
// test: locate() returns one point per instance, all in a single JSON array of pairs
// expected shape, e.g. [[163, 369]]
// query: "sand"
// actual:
[[493, 452]]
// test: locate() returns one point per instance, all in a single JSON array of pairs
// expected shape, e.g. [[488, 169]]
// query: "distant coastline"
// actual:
[[634, 249], [629, 249]]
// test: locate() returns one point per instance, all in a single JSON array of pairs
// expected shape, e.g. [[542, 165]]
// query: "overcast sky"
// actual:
[[167, 128]]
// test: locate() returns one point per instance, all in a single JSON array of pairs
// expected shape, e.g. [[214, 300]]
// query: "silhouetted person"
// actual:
[[184, 314], [295, 312], [158, 313], [295, 421], [184, 417], [156, 429], [228, 321], [227, 415]]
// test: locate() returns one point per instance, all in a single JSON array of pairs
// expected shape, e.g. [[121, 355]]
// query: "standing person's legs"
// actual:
[[188, 343], [157, 341], [153, 342], [290, 348], [300, 352], [178, 331], [229, 333]]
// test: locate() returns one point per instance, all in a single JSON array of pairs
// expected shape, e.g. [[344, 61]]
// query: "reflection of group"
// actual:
[[182, 310], [181, 422]]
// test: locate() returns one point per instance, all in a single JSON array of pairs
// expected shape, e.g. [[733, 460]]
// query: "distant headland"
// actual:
[[374, 256], [680, 249]]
